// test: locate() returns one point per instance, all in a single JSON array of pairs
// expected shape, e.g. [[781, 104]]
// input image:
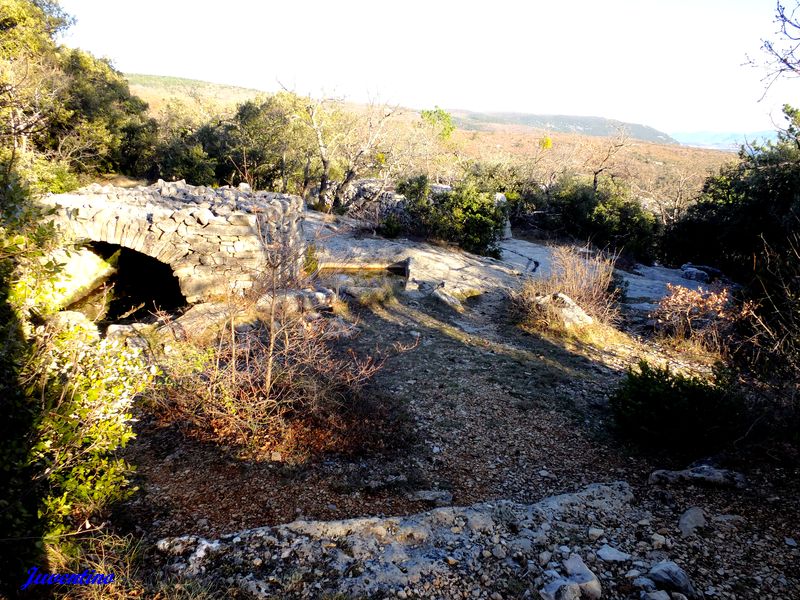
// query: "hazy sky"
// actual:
[[676, 65]]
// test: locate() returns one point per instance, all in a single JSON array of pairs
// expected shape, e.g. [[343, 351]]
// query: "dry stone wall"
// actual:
[[214, 239]]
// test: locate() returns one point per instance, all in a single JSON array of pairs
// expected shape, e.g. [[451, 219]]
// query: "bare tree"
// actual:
[[360, 147], [668, 190], [782, 53], [313, 110], [600, 162], [347, 139]]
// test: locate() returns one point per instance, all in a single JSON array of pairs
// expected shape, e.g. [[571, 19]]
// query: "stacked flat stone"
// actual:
[[216, 240]]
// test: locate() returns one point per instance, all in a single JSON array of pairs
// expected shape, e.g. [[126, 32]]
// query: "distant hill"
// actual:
[[156, 90], [723, 140], [594, 126]]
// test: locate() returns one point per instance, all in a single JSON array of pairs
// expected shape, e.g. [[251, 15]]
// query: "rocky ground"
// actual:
[[497, 420]]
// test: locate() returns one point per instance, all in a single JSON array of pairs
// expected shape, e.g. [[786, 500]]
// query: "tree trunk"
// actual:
[[324, 185], [342, 189], [306, 176], [284, 175]]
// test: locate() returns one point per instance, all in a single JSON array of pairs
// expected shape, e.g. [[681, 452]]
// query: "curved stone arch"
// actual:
[[142, 236], [214, 241]]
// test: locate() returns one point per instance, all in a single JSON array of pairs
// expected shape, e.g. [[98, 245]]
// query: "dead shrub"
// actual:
[[267, 383], [706, 317], [587, 277]]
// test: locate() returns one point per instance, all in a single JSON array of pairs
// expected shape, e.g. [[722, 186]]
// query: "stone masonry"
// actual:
[[216, 240]]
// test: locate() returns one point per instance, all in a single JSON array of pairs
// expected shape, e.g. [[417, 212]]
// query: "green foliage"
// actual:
[[440, 120], [497, 176], [66, 398], [43, 175], [183, 158], [24, 239], [742, 207], [63, 106], [663, 410], [472, 219], [746, 224], [608, 216], [100, 123], [86, 389], [29, 27], [265, 144], [464, 215], [392, 226]]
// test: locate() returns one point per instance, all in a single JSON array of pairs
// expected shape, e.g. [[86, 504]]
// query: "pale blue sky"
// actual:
[[676, 65]]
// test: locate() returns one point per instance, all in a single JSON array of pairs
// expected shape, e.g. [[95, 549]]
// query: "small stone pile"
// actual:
[[215, 239]]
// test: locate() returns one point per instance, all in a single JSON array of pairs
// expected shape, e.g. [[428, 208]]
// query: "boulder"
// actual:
[[581, 574], [692, 520], [434, 497], [447, 299], [570, 314], [669, 576], [659, 595], [701, 474], [693, 274], [609, 554]]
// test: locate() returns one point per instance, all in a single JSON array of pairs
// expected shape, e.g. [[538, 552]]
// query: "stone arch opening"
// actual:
[[141, 286]]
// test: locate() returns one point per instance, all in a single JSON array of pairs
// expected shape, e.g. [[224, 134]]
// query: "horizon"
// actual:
[[695, 82]]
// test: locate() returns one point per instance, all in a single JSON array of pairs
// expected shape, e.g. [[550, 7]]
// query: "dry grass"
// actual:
[[377, 296], [586, 277], [109, 553]]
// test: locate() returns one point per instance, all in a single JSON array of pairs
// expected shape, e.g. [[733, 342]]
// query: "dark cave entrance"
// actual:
[[141, 287]]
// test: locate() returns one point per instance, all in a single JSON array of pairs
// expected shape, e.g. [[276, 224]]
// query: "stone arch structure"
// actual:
[[214, 239]]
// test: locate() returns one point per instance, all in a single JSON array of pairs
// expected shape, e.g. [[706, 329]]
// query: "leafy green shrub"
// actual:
[[70, 395], [746, 223], [391, 226], [184, 158], [664, 410], [53, 176], [419, 205], [464, 215], [86, 389], [607, 216]]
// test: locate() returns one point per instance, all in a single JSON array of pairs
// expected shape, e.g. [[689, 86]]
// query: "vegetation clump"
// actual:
[[266, 384], [606, 214], [584, 276], [86, 389], [463, 215], [711, 318], [664, 410], [745, 222]]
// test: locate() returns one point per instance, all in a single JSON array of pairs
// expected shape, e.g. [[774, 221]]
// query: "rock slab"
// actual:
[[374, 556]]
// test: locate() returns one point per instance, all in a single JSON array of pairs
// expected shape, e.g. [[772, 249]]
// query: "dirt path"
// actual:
[[497, 413]]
